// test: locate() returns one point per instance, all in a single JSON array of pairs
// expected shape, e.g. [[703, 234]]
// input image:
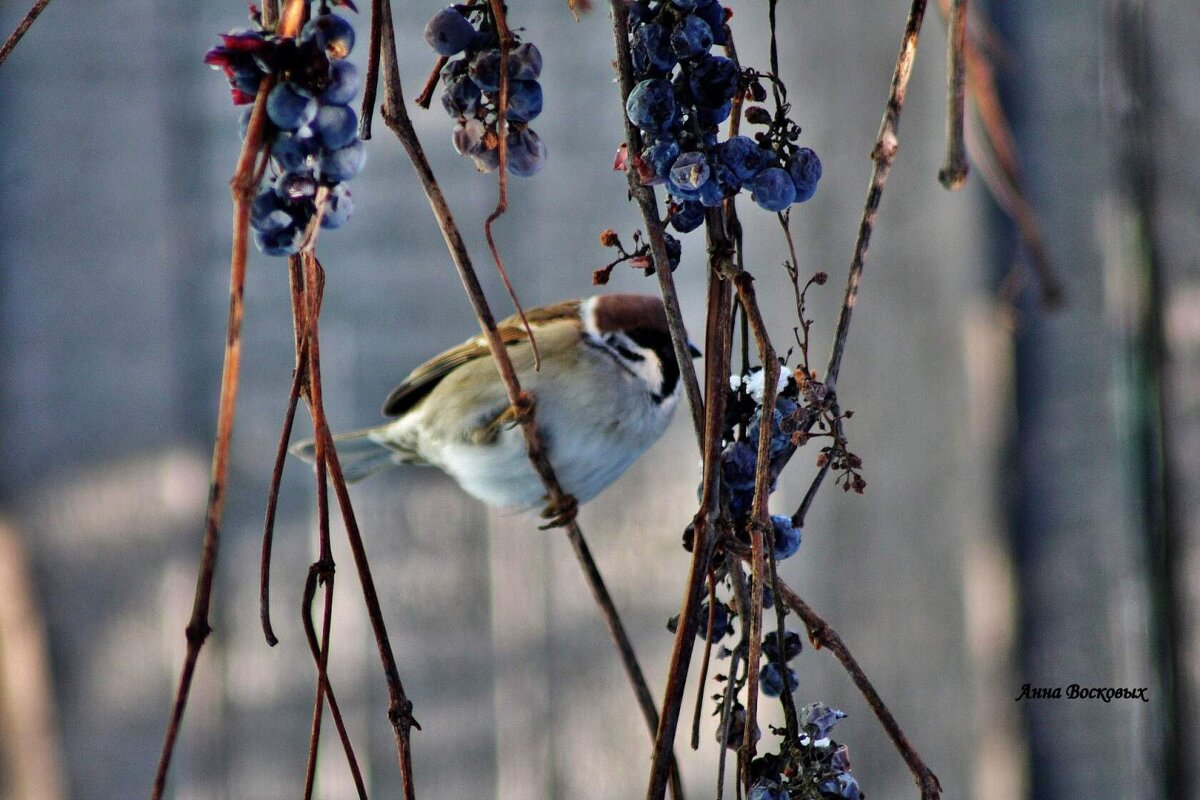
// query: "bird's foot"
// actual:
[[561, 513]]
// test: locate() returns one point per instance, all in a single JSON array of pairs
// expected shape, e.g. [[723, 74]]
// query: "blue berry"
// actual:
[[805, 169], [687, 216], [773, 189], [338, 207], [674, 250], [650, 50], [651, 105], [686, 5], [787, 537], [792, 646], [282, 242], [267, 212], [332, 33], [772, 676], [526, 152], [690, 171], [842, 785], [335, 166], [335, 126], [660, 156], [714, 14], [819, 719], [485, 70], [524, 100], [692, 37], [738, 463], [525, 62], [289, 108], [726, 179], [461, 97], [709, 117], [468, 137], [449, 32], [714, 80], [766, 790], [638, 14], [344, 83], [294, 152], [245, 77], [721, 625], [296, 187], [744, 157], [710, 193]]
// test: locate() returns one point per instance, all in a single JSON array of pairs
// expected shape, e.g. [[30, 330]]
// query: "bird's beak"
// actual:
[[695, 351]]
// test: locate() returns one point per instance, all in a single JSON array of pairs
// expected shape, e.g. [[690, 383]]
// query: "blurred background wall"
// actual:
[[1031, 514]]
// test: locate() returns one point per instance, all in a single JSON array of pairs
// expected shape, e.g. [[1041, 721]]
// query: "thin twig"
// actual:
[[806, 504], [506, 43], [644, 195], [371, 84], [995, 155], [705, 659], [198, 628], [322, 571], [823, 636], [426, 96], [954, 170], [399, 706], [759, 516], [882, 154], [395, 115], [706, 525], [310, 634], [285, 435], [22, 26]]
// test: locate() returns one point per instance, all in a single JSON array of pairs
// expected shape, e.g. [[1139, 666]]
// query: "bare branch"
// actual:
[[954, 170], [21, 28], [882, 154], [242, 186]]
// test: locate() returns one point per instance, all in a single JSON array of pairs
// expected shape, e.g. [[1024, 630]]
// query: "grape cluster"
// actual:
[[311, 130], [471, 90], [823, 763], [683, 94]]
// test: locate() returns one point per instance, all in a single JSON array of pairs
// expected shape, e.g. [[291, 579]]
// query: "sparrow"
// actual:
[[606, 389]]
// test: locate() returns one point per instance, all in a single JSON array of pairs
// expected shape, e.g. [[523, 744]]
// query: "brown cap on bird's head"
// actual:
[[626, 312]]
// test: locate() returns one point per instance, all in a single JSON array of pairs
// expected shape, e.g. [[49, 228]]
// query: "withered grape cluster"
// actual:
[[471, 90], [311, 130], [684, 92]]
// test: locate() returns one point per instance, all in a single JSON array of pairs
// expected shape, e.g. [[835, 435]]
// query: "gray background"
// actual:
[[1003, 538]]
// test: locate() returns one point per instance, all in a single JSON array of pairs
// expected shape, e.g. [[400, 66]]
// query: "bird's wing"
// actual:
[[424, 378]]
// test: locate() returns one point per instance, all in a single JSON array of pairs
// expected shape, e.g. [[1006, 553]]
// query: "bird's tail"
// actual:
[[361, 453]]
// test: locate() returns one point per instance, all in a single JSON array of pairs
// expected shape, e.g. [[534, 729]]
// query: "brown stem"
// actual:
[[399, 706], [806, 504], [882, 154], [395, 115], [704, 661], [823, 636], [426, 96], [264, 564], [21, 28], [706, 525], [371, 84], [644, 195], [242, 187], [323, 570], [954, 170], [760, 517]]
